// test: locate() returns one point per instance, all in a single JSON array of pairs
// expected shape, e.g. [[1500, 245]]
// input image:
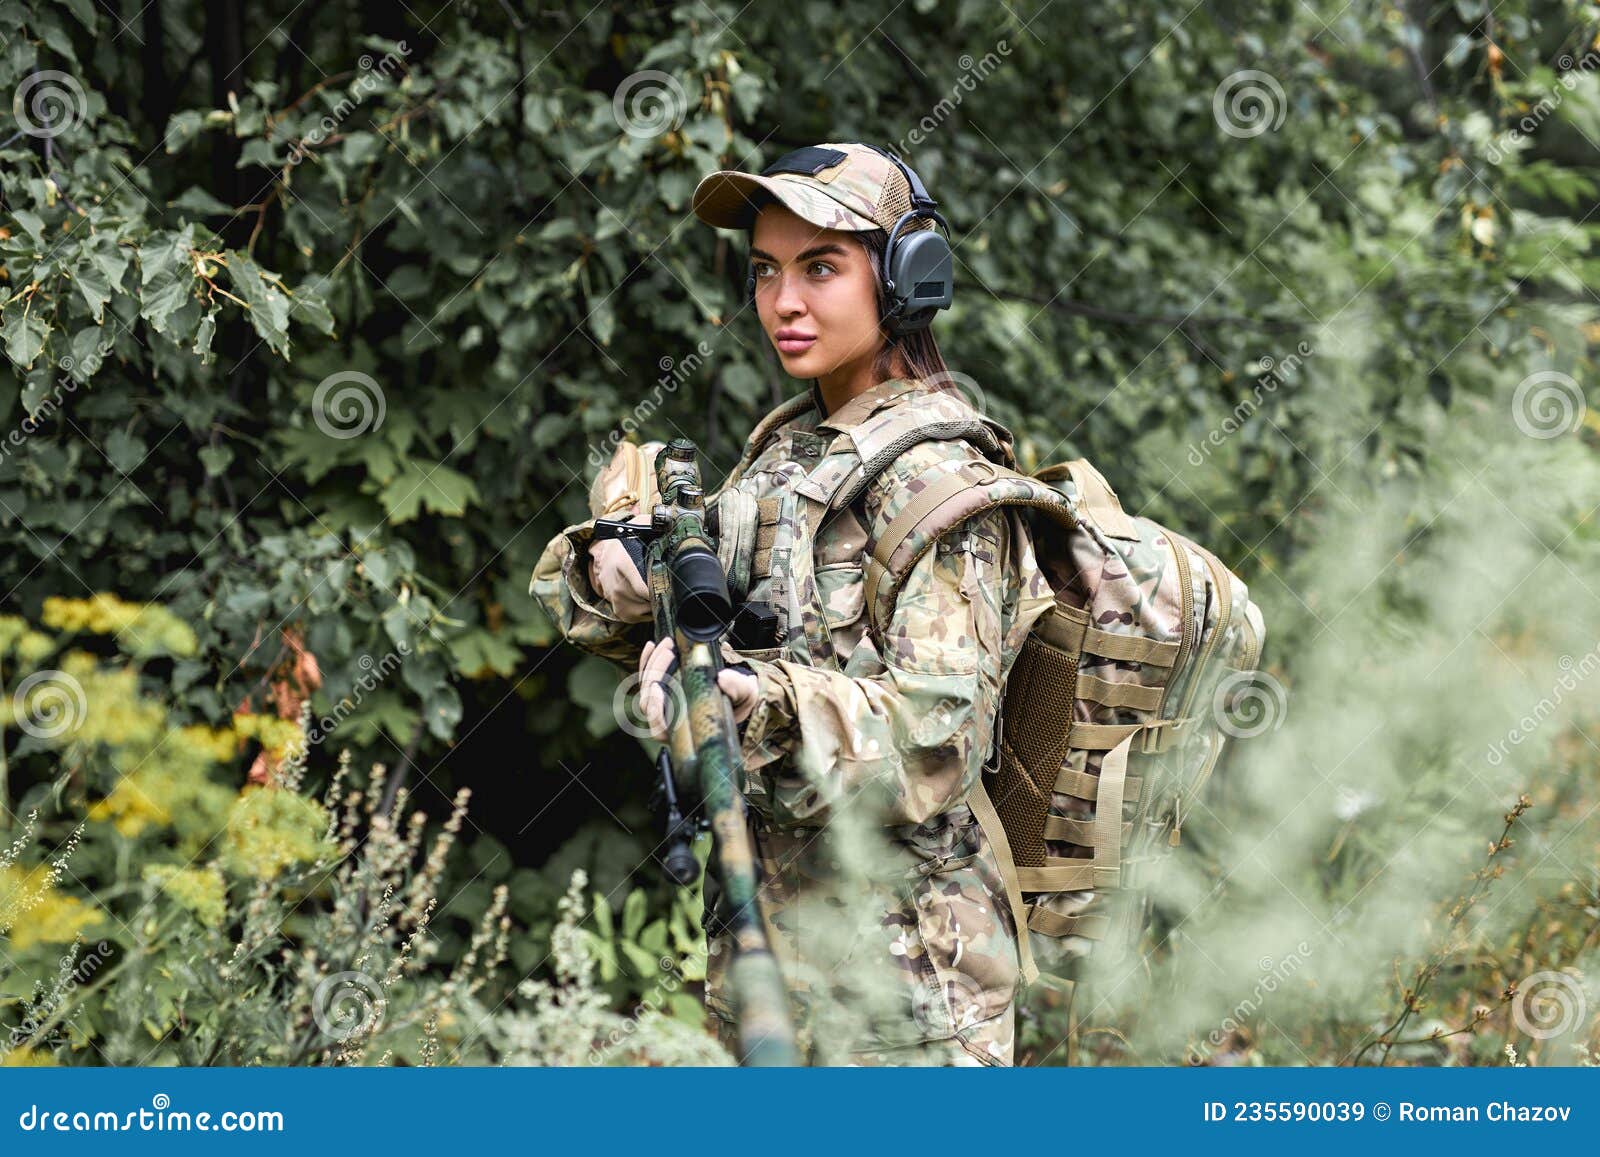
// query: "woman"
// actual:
[[882, 899]]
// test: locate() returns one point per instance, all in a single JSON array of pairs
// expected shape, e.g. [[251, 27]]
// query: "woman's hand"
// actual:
[[616, 579], [656, 660]]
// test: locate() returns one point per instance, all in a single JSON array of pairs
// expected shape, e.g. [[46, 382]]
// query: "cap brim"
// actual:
[[722, 200]]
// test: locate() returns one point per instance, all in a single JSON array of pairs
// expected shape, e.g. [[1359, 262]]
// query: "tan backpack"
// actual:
[[1116, 708]]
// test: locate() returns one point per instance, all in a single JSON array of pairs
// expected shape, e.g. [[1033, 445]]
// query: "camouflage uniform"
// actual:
[[881, 896]]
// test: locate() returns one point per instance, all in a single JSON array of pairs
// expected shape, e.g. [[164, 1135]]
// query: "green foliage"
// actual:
[[315, 344], [266, 925]]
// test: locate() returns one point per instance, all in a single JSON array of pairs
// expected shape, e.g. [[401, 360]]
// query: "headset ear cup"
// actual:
[[920, 266]]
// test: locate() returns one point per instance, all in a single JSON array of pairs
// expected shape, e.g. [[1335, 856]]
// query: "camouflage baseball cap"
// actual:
[[836, 186]]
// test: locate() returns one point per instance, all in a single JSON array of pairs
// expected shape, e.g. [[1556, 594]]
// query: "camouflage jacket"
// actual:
[[881, 896]]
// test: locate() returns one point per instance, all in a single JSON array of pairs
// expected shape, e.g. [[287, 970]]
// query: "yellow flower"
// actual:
[[276, 735], [26, 1058], [33, 911], [270, 829], [213, 744], [201, 890], [130, 808], [140, 628]]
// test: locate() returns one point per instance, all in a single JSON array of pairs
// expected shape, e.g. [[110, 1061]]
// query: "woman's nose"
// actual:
[[789, 299]]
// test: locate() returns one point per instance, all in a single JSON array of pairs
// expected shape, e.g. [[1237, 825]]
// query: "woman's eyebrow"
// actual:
[[829, 250]]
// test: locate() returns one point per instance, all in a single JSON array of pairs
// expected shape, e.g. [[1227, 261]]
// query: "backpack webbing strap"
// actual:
[[1080, 832], [1159, 734], [1055, 924], [1109, 694], [1082, 785], [1103, 871], [1136, 648], [995, 832]]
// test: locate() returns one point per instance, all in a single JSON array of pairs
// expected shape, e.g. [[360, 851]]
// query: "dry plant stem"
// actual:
[[1412, 996]]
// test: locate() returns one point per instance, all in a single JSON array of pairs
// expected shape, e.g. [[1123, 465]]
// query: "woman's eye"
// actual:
[[823, 264]]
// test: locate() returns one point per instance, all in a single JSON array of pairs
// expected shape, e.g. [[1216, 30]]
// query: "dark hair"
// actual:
[[918, 352]]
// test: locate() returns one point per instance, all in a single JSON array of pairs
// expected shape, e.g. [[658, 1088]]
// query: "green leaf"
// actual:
[[199, 201], [602, 918], [443, 712], [310, 309], [633, 913], [84, 11], [24, 334], [216, 459], [89, 347], [125, 450], [94, 287], [247, 601], [477, 651], [181, 129], [32, 222], [167, 277], [438, 488], [268, 303], [603, 320], [593, 685], [399, 625], [643, 963], [203, 336]]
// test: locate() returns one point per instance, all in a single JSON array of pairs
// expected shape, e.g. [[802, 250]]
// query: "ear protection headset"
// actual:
[[918, 268]]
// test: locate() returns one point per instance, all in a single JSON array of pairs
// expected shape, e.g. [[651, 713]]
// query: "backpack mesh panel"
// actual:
[[1033, 744]]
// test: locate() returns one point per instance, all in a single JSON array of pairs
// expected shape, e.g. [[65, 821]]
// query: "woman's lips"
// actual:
[[794, 345]]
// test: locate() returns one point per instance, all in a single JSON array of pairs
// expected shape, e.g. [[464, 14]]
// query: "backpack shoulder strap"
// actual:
[[1096, 499], [946, 495]]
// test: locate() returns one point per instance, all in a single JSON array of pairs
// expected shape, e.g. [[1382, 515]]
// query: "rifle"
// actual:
[[691, 605]]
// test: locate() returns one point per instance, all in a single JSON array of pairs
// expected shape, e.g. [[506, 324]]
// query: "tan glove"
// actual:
[[626, 488]]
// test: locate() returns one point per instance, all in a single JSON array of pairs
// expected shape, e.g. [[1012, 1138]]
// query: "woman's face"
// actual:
[[815, 283]]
